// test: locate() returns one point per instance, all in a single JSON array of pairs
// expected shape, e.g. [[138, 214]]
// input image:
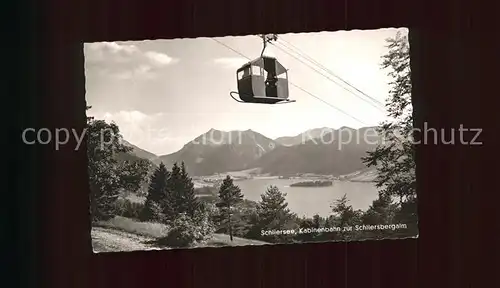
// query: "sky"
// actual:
[[164, 93]]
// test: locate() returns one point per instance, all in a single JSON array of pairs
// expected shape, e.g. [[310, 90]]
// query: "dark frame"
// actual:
[[450, 218]]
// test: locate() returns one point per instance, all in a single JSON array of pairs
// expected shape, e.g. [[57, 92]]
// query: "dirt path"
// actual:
[[110, 240], [224, 240]]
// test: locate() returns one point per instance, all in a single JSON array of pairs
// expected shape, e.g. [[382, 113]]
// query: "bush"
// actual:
[[126, 208], [152, 212], [187, 232]]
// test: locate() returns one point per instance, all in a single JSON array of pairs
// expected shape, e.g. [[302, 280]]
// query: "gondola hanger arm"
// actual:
[[267, 38]]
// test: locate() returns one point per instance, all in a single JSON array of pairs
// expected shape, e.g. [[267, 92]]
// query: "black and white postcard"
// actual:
[[250, 140]]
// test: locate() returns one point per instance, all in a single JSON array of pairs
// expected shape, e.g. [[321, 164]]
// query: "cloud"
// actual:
[[133, 117], [231, 62], [160, 58], [147, 131], [110, 51], [113, 47], [124, 61], [145, 71], [137, 127]]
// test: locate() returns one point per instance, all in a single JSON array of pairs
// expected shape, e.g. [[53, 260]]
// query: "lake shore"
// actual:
[[212, 180], [306, 201], [312, 184]]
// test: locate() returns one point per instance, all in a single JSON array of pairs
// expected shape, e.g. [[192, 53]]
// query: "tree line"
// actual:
[[172, 200]]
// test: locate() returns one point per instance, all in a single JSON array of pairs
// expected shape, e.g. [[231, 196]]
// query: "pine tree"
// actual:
[[157, 194], [274, 214], [173, 201], [182, 198], [317, 221], [191, 205], [342, 210], [344, 216], [382, 211], [229, 196], [273, 202]]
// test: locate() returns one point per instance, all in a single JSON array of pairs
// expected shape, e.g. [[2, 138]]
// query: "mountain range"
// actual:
[[141, 153], [319, 151]]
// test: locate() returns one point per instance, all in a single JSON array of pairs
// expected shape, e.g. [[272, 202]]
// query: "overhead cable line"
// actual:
[[296, 86], [330, 78], [322, 67]]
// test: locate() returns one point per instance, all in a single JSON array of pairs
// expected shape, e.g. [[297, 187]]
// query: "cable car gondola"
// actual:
[[263, 80]]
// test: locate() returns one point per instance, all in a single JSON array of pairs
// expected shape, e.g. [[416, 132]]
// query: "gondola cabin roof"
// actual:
[[261, 61]]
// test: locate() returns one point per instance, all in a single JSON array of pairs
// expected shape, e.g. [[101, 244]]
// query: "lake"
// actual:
[[308, 201]]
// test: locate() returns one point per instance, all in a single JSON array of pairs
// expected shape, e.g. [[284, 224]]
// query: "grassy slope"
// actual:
[[155, 230], [111, 240]]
